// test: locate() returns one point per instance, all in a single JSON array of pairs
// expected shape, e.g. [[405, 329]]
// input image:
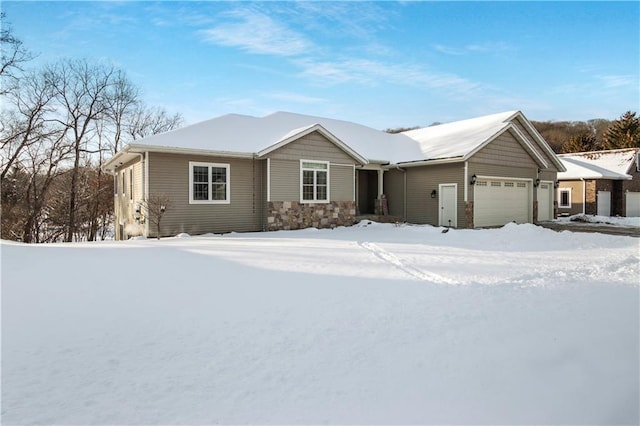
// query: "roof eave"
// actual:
[[419, 163], [541, 141], [191, 151], [322, 130]]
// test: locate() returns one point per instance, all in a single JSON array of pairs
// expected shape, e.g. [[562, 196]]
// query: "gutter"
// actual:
[[427, 162]]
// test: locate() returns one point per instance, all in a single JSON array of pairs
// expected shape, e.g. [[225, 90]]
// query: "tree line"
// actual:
[[580, 136], [592, 135], [59, 123]]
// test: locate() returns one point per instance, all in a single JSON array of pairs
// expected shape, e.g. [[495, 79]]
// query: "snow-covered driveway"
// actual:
[[369, 324]]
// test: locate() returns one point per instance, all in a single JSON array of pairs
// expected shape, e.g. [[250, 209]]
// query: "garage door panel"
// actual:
[[633, 204], [497, 202]]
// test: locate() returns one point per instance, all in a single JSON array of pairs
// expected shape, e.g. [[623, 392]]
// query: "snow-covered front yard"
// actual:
[[373, 324]]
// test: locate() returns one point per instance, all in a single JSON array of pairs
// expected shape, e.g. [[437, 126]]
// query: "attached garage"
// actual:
[[500, 201], [476, 173]]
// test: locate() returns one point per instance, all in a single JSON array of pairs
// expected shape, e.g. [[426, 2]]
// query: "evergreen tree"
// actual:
[[623, 132], [580, 143]]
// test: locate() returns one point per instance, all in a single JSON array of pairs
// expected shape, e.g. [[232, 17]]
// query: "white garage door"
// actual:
[[633, 204], [497, 202], [545, 203]]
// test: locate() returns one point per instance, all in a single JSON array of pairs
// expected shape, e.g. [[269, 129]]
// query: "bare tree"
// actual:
[[146, 121], [85, 94], [155, 206], [14, 54], [27, 122], [123, 105], [44, 159]]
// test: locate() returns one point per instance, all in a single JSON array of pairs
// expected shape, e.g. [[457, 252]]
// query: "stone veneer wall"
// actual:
[[468, 214], [287, 215]]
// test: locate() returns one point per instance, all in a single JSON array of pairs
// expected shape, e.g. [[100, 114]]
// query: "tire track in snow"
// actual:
[[391, 258]]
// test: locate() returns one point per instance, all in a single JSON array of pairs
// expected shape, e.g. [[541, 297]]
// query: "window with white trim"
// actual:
[[564, 197], [209, 183], [314, 181]]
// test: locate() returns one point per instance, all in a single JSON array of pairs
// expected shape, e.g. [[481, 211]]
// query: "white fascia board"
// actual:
[[320, 129], [424, 163], [110, 165], [188, 151], [540, 140], [121, 157]]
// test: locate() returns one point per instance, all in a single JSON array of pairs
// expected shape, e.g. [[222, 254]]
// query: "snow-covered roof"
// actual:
[[246, 134], [579, 169], [612, 164], [459, 138], [243, 135]]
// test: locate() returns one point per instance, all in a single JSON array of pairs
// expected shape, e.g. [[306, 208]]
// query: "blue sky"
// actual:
[[382, 64]]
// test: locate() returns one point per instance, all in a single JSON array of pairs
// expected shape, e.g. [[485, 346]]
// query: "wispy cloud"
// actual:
[[256, 32], [273, 32], [615, 81], [473, 48], [365, 71]]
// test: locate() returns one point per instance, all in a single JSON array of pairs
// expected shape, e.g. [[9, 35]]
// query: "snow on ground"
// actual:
[[372, 324], [606, 220]]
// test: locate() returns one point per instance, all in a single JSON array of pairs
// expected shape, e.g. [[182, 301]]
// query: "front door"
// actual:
[[545, 205], [448, 200], [604, 203]]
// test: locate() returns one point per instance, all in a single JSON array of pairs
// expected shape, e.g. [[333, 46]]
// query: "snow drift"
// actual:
[[375, 324]]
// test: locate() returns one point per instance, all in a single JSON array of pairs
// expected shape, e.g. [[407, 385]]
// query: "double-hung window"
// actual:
[[564, 197], [209, 183], [314, 181]]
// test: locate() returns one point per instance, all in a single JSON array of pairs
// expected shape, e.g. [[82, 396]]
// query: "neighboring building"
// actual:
[[291, 171], [605, 183]]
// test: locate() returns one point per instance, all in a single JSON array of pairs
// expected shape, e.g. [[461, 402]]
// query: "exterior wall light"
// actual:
[[136, 213], [536, 183], [434, 193], [474, 178], [556, 184]]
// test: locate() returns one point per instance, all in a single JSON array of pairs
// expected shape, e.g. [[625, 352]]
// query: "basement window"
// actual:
[[209, 183]]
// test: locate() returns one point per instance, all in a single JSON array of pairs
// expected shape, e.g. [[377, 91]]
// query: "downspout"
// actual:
[[466, 180], [584, 196], [404, 198], [145, 186]]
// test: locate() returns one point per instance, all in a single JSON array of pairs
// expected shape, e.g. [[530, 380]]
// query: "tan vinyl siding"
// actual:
[[505, 150], [313, 146], [421, 208], [138, 183], [169, 175], [540, 151], [124, 202], [342, 183], [501, 171], [285, 180], [577, 197]]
